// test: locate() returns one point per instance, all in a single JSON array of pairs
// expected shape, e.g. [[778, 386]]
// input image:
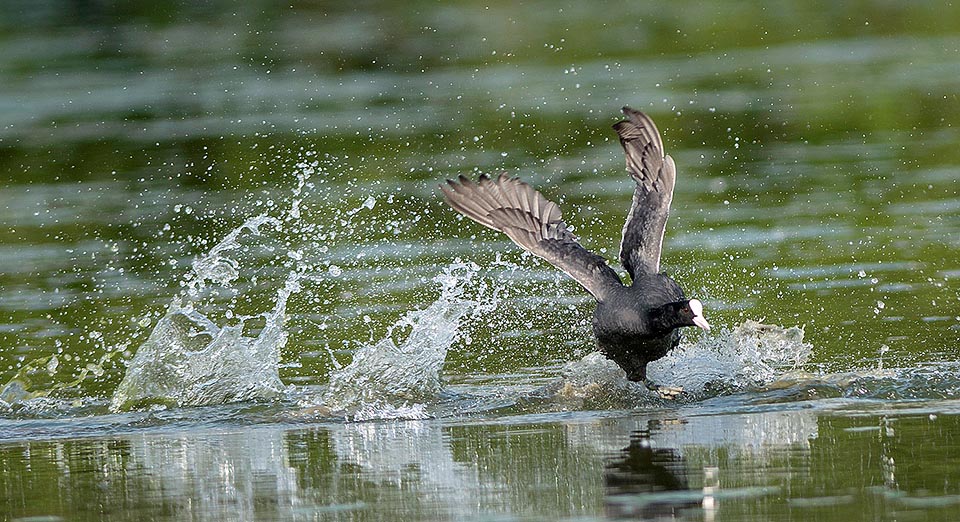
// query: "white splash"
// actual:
[[750, 355], [188, 360], [390, 379], [216, 266]]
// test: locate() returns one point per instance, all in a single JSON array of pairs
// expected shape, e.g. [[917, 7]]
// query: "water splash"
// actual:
[[596, 382], [749, 356], [217, 266], [188, 360], [391, 379], [930, 381]]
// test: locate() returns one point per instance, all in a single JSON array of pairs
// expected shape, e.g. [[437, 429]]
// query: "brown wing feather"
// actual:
[[655, 174], [534, 223]]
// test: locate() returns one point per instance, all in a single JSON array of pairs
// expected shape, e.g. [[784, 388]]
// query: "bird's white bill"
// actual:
[[701, 322], [697, 308]]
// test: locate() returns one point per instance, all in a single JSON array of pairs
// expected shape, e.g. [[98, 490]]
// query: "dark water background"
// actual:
[[818, 187]]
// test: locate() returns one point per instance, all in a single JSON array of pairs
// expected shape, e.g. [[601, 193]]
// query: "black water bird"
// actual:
[[634, 324], [645, 482]]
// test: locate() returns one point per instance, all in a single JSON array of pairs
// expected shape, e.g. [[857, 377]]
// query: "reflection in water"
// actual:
[[543, 467], [237, 475], [180, 475], [639, 482], [407, 469]]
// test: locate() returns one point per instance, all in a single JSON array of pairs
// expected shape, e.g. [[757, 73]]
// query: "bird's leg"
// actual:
[[638, 373], [665, 392]]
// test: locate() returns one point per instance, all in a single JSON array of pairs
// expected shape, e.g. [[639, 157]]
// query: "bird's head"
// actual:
[[692, 314], [677, 314]]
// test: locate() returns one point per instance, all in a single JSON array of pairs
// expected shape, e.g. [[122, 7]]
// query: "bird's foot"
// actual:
[[665, 392]]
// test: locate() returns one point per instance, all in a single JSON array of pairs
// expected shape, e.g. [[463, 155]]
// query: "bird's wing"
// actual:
[[533, 222], [655, 174]]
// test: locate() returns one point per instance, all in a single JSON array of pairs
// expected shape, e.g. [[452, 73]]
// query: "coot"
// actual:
[[633, 324]]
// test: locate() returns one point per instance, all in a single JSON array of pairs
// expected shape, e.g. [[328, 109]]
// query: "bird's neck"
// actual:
[[666, 318]]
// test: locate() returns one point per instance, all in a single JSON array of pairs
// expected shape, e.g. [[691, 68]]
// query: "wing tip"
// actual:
[[633, 114]]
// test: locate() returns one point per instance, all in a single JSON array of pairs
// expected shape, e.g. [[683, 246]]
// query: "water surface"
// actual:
[[229, 288]]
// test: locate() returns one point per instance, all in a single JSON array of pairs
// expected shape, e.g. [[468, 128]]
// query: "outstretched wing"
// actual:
[[533, 222], [655, 174]]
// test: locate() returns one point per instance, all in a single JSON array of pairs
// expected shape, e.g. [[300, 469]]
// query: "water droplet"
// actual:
[[52, 365]]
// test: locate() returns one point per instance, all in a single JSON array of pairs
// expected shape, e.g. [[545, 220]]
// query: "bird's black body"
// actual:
[[634, 324], [633, 328]]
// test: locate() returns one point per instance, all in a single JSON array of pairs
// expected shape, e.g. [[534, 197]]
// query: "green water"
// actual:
[[817, 187]]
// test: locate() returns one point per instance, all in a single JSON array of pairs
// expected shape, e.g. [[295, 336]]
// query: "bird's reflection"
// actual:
[[648, 483]]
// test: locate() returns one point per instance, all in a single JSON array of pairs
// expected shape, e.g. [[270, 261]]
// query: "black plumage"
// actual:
[[633, 324]]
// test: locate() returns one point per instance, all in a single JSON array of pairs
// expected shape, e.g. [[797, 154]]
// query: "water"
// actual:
[[229, 289]]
